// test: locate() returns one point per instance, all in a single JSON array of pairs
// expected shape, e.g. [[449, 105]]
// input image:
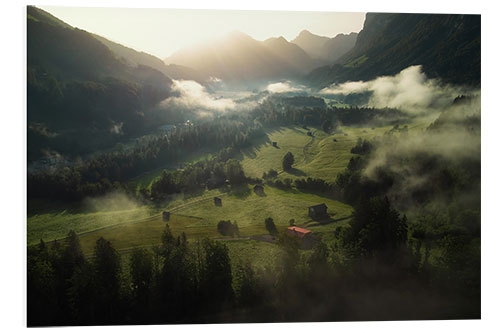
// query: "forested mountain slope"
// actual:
[[80, 95], [447, 46], [134, 58]]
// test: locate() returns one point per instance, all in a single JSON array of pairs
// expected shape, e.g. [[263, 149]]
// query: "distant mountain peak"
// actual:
[[280, 40], [322, 47], [236, 34], [305, 32]]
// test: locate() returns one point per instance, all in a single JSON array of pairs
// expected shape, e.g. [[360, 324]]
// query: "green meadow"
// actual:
[[198, 217], [319, 156], [56, 225]]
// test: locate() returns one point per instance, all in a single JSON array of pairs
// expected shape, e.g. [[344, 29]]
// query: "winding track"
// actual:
[[304, 150]]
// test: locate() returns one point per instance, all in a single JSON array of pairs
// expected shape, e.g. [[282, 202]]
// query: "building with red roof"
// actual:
[[299, 232]]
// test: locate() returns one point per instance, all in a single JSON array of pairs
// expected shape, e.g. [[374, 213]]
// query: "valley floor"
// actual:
[[318, 156]]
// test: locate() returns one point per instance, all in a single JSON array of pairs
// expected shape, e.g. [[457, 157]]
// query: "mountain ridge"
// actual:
[[309, 42], [81, 91], [326, 48], [446, 45], [134, 58]]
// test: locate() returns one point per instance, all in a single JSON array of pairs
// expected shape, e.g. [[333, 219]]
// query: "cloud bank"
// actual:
[[113, 201], [192, 95], [282, 87], [416, 162], [410, 90]]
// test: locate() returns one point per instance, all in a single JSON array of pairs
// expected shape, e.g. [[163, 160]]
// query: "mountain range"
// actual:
[[238, 58]]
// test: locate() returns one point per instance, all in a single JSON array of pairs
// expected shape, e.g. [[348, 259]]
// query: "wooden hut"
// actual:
[[318, 211], [165, 216], [258, 189]]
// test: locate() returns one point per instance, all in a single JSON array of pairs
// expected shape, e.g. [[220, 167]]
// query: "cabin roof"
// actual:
[[319, 206], [299, 231]]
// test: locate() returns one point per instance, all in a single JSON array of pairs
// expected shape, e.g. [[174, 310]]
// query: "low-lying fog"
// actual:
[[410, 91]]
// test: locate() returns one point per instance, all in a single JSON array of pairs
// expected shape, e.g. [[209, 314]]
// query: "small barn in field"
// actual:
[[318, 211], [165, 216], [217, 201], [299, 232], [258, 189]]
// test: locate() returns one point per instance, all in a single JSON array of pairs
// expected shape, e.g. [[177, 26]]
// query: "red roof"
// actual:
[[299, 231]]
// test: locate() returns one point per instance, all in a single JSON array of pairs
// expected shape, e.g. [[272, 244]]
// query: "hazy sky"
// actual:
[[161, 32]]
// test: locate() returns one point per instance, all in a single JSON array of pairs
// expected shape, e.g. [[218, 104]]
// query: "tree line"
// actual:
[[109, 171]]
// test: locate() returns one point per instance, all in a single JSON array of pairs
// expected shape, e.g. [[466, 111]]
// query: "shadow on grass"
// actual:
[[296, 172], [328, 220], [195, 193], [251, 152], [300, 130], [323, 194], [240, 191], [292, 190], [260, 193]]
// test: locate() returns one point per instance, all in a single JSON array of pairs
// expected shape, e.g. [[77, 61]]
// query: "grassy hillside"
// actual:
[[143, 233], [250, 210], [56, 225], [198, 217], [261, 255], [264, 156], [316, 157]]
